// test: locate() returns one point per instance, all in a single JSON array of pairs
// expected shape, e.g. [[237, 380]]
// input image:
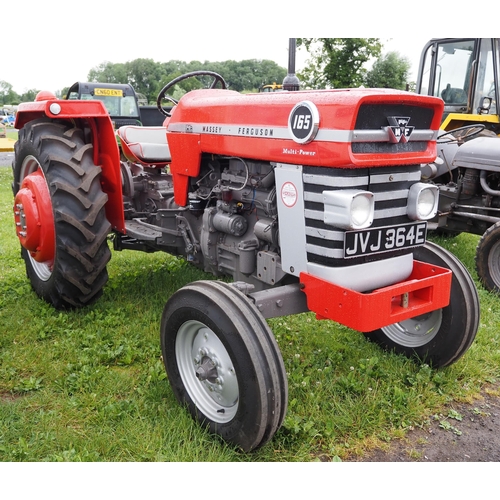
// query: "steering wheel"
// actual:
[[461, 134], [162, 95]]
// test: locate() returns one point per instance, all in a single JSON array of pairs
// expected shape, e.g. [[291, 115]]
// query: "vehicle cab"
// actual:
[[464, 73], [119, 99]]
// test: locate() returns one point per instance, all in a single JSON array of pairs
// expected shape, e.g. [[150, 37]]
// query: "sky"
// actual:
[[54, 43]]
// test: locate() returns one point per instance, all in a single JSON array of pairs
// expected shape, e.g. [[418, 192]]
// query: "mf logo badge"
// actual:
[[303, 122], [398, 129]]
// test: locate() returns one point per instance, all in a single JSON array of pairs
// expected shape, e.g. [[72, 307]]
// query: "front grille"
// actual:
[[390, 185], [375, 117]]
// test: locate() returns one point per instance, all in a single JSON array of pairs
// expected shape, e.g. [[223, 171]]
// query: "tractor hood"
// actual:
[[333, 128], [338, 128]]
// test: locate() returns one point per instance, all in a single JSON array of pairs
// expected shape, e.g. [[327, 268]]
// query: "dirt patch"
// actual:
[[6, 397], [462, 432]]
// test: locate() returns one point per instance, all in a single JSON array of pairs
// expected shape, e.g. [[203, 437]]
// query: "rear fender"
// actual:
[[106, 152]]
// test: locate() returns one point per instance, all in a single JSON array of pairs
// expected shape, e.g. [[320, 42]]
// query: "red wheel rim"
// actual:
[[34, 218]]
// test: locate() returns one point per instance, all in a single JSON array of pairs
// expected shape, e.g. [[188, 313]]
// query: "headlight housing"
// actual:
[[422, 201], [349, 208]]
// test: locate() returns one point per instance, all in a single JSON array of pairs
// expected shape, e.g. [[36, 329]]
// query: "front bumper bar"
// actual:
[[426, 289]]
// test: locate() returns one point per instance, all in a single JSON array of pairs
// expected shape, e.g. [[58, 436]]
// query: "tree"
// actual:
[[29, 95], [389, 71], [149, 77], [144, 75], [337, 62], [250, 74], [7, 94], [108, 72]]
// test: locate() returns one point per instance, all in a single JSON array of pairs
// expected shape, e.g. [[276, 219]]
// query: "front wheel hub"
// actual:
[[34, 218]]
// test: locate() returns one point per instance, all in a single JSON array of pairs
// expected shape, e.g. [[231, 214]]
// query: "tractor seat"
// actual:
[[452, 95], [145, 144]]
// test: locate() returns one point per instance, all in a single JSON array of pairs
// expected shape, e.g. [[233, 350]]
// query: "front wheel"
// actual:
[[223, 362], [440, 337], [488, 258]]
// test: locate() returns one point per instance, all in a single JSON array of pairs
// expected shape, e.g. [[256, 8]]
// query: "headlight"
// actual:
[[422, 201], [348, 209]]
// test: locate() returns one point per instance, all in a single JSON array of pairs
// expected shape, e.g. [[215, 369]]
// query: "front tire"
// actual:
[[440, 337], [223, 363], [65, 250], [488, 258]]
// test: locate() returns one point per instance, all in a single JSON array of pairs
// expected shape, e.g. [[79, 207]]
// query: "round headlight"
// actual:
[[361, 210], [426, 203], [348, 208], [422, 201]]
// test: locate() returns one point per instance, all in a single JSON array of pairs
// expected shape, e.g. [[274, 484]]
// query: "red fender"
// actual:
[[106, 152]]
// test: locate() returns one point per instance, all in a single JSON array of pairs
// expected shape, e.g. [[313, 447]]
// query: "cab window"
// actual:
[[453, 69], [485, 85]]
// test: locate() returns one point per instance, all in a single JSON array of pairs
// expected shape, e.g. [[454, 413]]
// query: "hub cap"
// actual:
[[207, 371], [34, 218], [415, 332], [494, 264]]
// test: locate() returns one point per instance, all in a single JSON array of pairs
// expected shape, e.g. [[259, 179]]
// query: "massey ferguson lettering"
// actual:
[[235, 131], [256, 131], [211, 129]]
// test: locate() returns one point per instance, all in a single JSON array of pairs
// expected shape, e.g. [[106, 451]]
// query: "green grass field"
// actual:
[[89, 385]]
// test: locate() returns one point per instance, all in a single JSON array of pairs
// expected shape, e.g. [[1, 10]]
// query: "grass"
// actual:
[[12, 133], [89, 385]]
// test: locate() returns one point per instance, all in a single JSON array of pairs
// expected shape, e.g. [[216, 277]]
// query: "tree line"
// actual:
[[332, 63], [149, 77]]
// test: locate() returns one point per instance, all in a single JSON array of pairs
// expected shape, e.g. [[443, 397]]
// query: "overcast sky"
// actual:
[[50, 44]]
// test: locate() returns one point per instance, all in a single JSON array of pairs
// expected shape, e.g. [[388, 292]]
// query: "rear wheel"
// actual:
[[440, 337], [488, 258], [223, 362], [60, 213]]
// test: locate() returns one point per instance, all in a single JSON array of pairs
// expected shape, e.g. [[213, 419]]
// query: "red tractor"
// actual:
[[307, 200]]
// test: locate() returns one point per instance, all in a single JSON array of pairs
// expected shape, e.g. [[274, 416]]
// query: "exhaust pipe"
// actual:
[[291, 82]]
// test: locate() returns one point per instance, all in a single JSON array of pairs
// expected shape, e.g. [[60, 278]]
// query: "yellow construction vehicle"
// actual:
[[464, 72], [274, 87]]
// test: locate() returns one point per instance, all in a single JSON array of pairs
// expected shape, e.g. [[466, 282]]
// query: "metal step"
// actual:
[[141, 232]]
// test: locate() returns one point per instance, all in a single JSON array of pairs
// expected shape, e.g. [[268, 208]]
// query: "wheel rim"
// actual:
[[31, 168], [494, 264], [207, 371], [415, 332]]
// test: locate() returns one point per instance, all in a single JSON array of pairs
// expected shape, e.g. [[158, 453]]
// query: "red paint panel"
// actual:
[[106, 152], [229, 123]]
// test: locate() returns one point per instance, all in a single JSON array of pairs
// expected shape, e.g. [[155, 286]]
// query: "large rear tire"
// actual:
[[440, 337], [60, 213], [223, 362]]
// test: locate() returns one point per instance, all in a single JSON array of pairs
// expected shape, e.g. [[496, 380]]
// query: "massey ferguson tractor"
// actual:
[[300, 200], [465, 72]]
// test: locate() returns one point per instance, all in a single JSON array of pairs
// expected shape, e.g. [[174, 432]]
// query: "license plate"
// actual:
[[109, 92], [384, 239]]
